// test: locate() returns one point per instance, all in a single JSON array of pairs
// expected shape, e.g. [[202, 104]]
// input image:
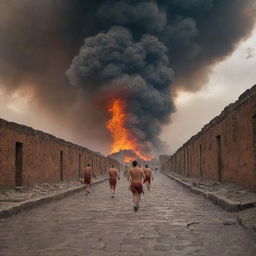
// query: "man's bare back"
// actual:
[[147, 172], [148, 176], [88, 170], [136, 175], [113, 173]]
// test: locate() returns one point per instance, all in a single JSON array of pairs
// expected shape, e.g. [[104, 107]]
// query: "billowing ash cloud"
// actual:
[[127, 47], [112, 64]]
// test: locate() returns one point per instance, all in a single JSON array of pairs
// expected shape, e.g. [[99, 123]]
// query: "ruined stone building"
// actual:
[[225, 149], [28, 157]]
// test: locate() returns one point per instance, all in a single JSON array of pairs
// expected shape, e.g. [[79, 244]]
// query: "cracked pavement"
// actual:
[[171, 221]]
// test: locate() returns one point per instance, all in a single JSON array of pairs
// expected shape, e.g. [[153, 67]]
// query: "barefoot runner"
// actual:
[[148, 176], [136, 176], [87, 178], [113, 176]]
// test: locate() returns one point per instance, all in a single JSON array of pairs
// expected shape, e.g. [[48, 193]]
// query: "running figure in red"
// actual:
[[113, 176], [87, 178], [148, 176], [136, 176]]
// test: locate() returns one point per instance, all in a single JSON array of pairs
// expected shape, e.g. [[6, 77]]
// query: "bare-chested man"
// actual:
[[136, 176], [87, 178], [113, 176], [148, 176]]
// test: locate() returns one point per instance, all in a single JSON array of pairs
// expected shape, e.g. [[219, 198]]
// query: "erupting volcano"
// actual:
[[122, 137], [130, 54]]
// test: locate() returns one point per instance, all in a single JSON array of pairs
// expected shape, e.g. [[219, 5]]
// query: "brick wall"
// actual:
[[28, 156], [225, 148]]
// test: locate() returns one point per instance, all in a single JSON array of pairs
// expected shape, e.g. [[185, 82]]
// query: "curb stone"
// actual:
[[225, 203], [30, 203], [247, 219]]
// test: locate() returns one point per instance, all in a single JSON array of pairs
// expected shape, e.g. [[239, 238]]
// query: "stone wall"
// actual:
[[164, 161], [28, 157], [225, 148]]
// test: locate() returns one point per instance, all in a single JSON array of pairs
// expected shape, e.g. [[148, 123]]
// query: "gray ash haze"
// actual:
[[76, 55]]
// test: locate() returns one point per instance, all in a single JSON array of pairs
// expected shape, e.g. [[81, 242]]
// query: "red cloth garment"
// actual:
[[147, 178], [136, 188], [112, 182], [87, 179]]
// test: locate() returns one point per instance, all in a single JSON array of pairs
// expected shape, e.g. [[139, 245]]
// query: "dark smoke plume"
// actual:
[[112, 63], [130, 48]]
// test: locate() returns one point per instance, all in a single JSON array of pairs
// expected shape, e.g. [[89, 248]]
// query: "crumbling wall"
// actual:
[[225, 149], [42, 157]]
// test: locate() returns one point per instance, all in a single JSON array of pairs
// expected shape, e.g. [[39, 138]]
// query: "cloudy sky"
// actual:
[[62, 62], [228, 80]]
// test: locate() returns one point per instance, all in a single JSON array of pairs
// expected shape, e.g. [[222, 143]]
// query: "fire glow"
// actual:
[[122, 138], [128, 159]]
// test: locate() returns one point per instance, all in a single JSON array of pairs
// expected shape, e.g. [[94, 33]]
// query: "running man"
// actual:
[[136, 176], [87, 178], [148, 176], [113, 176]]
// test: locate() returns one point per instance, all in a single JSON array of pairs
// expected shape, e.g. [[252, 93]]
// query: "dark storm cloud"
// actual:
[[202, 33], [32, 46], [146, 15], [139, 41]]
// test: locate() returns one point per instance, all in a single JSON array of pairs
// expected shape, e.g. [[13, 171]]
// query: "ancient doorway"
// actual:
[[254, 140], [79, 167], [61, 165], [188, 162], [219, 159], [18, 164], [200, 160]]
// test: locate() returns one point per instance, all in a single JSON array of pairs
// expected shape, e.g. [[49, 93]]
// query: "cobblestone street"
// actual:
[[171, 221]]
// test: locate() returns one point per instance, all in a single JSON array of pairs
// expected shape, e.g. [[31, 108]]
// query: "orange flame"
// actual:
[[122, 138], [128, 159]]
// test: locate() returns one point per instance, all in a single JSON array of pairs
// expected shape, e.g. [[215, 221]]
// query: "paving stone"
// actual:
[[162, 247], [171, 221], [230, 197]]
